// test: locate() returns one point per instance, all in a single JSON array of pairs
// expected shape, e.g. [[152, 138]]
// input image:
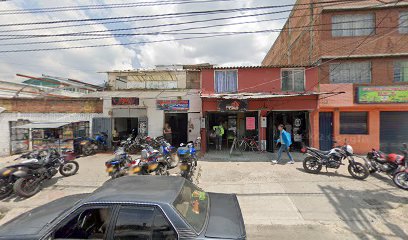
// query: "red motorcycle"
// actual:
[[394, 165]]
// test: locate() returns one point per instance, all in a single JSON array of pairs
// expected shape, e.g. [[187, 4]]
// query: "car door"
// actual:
[[91, 221], [142, 222]]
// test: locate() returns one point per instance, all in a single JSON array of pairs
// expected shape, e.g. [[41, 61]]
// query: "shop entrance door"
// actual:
[[326, 130], [296, 123], [179, 124]]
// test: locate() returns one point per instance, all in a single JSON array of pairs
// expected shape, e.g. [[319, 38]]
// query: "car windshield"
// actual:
[[192, 204]]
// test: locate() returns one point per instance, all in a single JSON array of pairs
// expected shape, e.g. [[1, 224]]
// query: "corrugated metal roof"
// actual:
[[255, 67], [263, 95], [43, 125]]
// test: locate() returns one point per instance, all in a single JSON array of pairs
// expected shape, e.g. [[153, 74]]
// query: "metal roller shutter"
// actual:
[[393, 131]]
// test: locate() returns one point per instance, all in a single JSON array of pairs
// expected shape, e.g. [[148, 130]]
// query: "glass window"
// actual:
[[354, 72], [293, 80], [226, 81], [351, 25], [353, 123], [401, 71], [403, 22], [192, 204], [89, 224], [142, 223]]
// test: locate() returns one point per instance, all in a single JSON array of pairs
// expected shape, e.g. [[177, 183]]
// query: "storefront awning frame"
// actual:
[[43, 125], [244, 96]]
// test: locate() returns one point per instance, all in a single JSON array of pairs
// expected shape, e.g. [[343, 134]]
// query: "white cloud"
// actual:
[[83, 64]]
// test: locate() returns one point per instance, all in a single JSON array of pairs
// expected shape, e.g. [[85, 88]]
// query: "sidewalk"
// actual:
[[247, 156]]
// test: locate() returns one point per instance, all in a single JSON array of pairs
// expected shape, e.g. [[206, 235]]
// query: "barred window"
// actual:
[[353, 123], [354, 72], [352, 25], [293, 80], [401, 71]]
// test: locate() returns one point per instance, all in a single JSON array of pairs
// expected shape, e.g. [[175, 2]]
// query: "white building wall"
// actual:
[[5, 118]]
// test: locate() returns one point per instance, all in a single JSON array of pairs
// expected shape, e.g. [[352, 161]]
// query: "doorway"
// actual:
[[179, 124], [124, 126], [296, 123], [325, 130]]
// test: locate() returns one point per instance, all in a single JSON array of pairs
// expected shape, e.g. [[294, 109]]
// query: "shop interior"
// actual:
[[239, 124], [124, 126], [296, 123], [179, 124]]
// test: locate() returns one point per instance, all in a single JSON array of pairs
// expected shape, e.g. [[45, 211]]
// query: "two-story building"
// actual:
[[144, 100], [358, 47], [253, 101]]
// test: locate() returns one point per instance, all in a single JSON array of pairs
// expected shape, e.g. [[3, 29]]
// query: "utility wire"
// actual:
[[207, 12]]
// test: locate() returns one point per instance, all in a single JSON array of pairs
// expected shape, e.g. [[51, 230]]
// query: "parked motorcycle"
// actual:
[[151, 161], [188, 159], [169, 153], [90, 146], [333, 159], [391, 164], [119, 165], [32, 175], [7, 178]]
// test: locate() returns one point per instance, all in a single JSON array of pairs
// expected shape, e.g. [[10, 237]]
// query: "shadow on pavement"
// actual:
[[362, 209], [328, 174]]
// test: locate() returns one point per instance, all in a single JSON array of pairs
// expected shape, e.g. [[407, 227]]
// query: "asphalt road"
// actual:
[[277, 201]]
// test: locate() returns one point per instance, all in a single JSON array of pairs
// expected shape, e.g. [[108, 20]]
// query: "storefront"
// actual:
[[365, 117], [258, 115]]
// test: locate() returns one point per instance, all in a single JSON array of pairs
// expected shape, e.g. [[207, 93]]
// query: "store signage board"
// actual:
[[232, 105], [121, 101], [386, 94], [250, 123], [173, 105]]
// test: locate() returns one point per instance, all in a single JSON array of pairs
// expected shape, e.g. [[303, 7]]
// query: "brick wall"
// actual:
[[52, 105]]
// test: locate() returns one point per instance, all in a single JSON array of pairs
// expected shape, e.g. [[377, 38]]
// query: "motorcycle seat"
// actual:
[[319, 151]]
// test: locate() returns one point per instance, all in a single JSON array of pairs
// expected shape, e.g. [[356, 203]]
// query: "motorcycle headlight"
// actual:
[[7, 172], [83, 143]]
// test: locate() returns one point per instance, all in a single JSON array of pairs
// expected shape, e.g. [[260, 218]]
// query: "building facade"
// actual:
[[144, 100], [20, 111], [358, 48], [253, 101]]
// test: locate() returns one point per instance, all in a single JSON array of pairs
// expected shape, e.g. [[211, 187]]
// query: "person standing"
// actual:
[[219, 132], [168, 134], [285, 140]]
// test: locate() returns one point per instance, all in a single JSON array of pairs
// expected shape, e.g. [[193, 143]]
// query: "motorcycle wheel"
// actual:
[[162, 170], [6, 190], [358, 171], [69, 168], [87, 151], [312, 165], [24, 187], [401, 180]]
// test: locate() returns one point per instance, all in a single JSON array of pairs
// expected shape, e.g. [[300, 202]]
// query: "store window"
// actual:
[[226, 81], [403, 22], [293, 80], [351, 72], [353, 123], [352, 25], [401, 71]]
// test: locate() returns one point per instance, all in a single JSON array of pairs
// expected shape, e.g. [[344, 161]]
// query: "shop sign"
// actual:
[[173, 105], [386, 94], [250, 123], [232, 105], [121, 101]]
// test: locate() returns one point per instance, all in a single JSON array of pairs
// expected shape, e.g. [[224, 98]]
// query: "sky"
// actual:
[[89, 64]]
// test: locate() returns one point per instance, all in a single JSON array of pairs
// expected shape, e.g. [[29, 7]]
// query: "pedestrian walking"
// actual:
[[285, 140], [219, 132]]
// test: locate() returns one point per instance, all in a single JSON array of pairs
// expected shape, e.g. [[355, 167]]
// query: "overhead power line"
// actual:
[[207, 12]]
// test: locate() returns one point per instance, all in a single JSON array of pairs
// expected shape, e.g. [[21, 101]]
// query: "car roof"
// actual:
[[138, 189]]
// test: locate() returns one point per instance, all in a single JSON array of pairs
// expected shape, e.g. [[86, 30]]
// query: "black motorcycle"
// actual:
[[7, 178], [151, 161], [333, 159], [32, 175]]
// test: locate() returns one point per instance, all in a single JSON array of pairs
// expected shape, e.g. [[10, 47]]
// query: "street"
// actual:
[[277, 201]]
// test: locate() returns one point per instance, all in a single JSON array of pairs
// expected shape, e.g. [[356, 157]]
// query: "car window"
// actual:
[[88, 224], [192, 204], [147, 223]]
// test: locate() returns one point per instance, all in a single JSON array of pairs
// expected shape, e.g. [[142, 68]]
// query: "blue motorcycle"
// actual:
[[169, 153], [89, 146], [119, 165], [188, 159]]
